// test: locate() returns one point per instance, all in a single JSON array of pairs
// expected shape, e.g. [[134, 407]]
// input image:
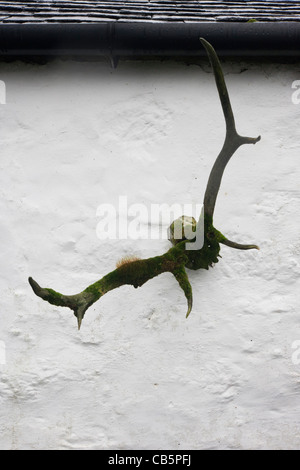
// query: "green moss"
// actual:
[[137, 272], [94, 290], [183, 280], [208, 255], [55, 298]]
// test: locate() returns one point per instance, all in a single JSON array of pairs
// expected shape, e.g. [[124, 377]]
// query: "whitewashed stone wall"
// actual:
[[138, 375]]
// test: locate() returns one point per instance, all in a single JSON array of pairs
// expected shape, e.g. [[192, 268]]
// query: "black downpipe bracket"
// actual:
[[145, 39]]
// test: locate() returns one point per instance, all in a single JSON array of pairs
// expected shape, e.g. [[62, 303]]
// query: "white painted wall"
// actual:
[[138, 375]]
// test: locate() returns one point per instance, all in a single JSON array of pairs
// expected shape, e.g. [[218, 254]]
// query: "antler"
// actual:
[[177, 258], [231, 143], [134, 273]]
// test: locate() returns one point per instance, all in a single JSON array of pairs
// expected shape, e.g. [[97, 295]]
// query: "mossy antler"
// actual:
[[180, 256], [134, 273]]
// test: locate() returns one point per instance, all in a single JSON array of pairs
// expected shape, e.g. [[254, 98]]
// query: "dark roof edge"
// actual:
[[146, 39]]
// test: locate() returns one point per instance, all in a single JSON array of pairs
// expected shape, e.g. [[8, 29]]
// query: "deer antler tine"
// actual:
[[79, 303], [183, 280], [238, 246], [221, 85], [232, 139], [79, 314]]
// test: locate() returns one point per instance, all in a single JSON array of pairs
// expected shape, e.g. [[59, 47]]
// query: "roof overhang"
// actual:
[[146, 39]]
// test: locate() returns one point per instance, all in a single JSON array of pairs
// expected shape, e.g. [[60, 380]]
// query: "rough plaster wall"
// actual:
[[138, 374]]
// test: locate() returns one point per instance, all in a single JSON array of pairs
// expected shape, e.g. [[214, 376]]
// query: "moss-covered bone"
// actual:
[[177, 258]]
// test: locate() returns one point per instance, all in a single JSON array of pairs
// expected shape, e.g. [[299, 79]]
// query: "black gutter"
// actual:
[[145, 39]]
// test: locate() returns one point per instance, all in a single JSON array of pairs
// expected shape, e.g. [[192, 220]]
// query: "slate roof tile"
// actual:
[[80, 11]]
